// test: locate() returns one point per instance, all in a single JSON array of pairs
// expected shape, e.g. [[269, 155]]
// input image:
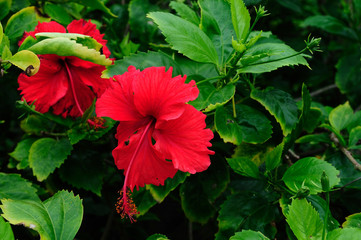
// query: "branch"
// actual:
[[347, 153]]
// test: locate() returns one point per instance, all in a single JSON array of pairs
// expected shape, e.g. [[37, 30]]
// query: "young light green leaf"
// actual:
[[273, 158], [244, 166], [59, 217], [157, 237], [46, 154], [249, 235], [307, 172], [27, 61], [304, 220], [14, 187], [344, 233], [185, 37], [1, 32], [66, 47], [353, 221], [6, 233], [185, 12], [210, 98], [250, 125], [241, 19], [281, 105], [341, 116]]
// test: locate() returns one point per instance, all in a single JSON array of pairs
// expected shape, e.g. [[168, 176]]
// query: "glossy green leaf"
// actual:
[[27, 61], [185, 37], [216, 22], [57, 12], [21, 150], [254, 152], [353, 221], [6, 233], [341, 116], [244, 166], [159, 193], [281, 105], [307, 172], [140, 25], [15, 26], [274, 157], [304, 220], [35, 124], [322, 208], [96, 5], [345, 233], [315, 138], [144, 200], [185, 12], [249, 235], [14, 187], [157, 237], [65, 47], [4, 8], [141, 61], [331, 25], [241, 19], [46, 154], [210, 98], [250, 125], [59, 217]]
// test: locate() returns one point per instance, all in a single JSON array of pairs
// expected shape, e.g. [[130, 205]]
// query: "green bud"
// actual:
[[238, 46], [261, 12]]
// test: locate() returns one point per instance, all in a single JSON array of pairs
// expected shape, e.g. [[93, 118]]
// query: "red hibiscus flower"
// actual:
[[68, 85], [158, 132]]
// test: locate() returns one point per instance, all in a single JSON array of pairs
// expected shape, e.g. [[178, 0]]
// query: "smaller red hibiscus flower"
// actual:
[[158, 132], [67, 85]]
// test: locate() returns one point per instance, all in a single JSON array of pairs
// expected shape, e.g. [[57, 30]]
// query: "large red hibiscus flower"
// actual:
[[158, 132], [67, 85]]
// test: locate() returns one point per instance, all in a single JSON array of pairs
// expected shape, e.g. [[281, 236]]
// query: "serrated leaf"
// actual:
[[59, 217], [331, 25], [304, 220], [244, 166], [21, 151], [353, 221], [157, 236], [46, 154], [15, 26], [141, 61], [185, 37], [307, 172], [185, 12], [143, 200], [216, 22], [27, 61], [210, 98], [240, 19], [6, 233], [14, 187], [269, 56], [273, 158], [281, 105], [250, 125], [341, 116], [65, 47], [249, 235], [322, 208]]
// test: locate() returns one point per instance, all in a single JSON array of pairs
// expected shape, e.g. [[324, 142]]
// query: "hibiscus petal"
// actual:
[[157, 94], [185, 141], [46, 87], [148, 166]]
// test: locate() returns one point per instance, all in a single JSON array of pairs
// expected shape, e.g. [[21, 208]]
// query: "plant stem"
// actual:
[[234, 108], [326, 215], [347, 153]]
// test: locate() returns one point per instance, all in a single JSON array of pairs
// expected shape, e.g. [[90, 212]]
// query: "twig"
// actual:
[[347, 153]]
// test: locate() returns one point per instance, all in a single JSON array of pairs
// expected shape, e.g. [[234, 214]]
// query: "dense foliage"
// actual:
[[278, 81]]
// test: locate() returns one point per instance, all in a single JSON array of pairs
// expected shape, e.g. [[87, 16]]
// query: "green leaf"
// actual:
[[157, 236], [65, 47], [254, 152], [6, 233], [185, 37], [341, 116], [1, 29], [307, 172], [140, 25], [46, 154], [353, 221], [273, 158], [141, 61], [144, 200], [315, 138], [249, 235], [14, 187], [304, 220], [250, 125], [96, 5], [58, 13], [4, 8], [210, 98], [322, 208], [281, 105], [244, 166], [59, 217], [355, 136], [241, 19], [331, 25], [159, 193], [15, 26], [216, 22], [185, 12], [345, 233], [27, 61], [21, 151]]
